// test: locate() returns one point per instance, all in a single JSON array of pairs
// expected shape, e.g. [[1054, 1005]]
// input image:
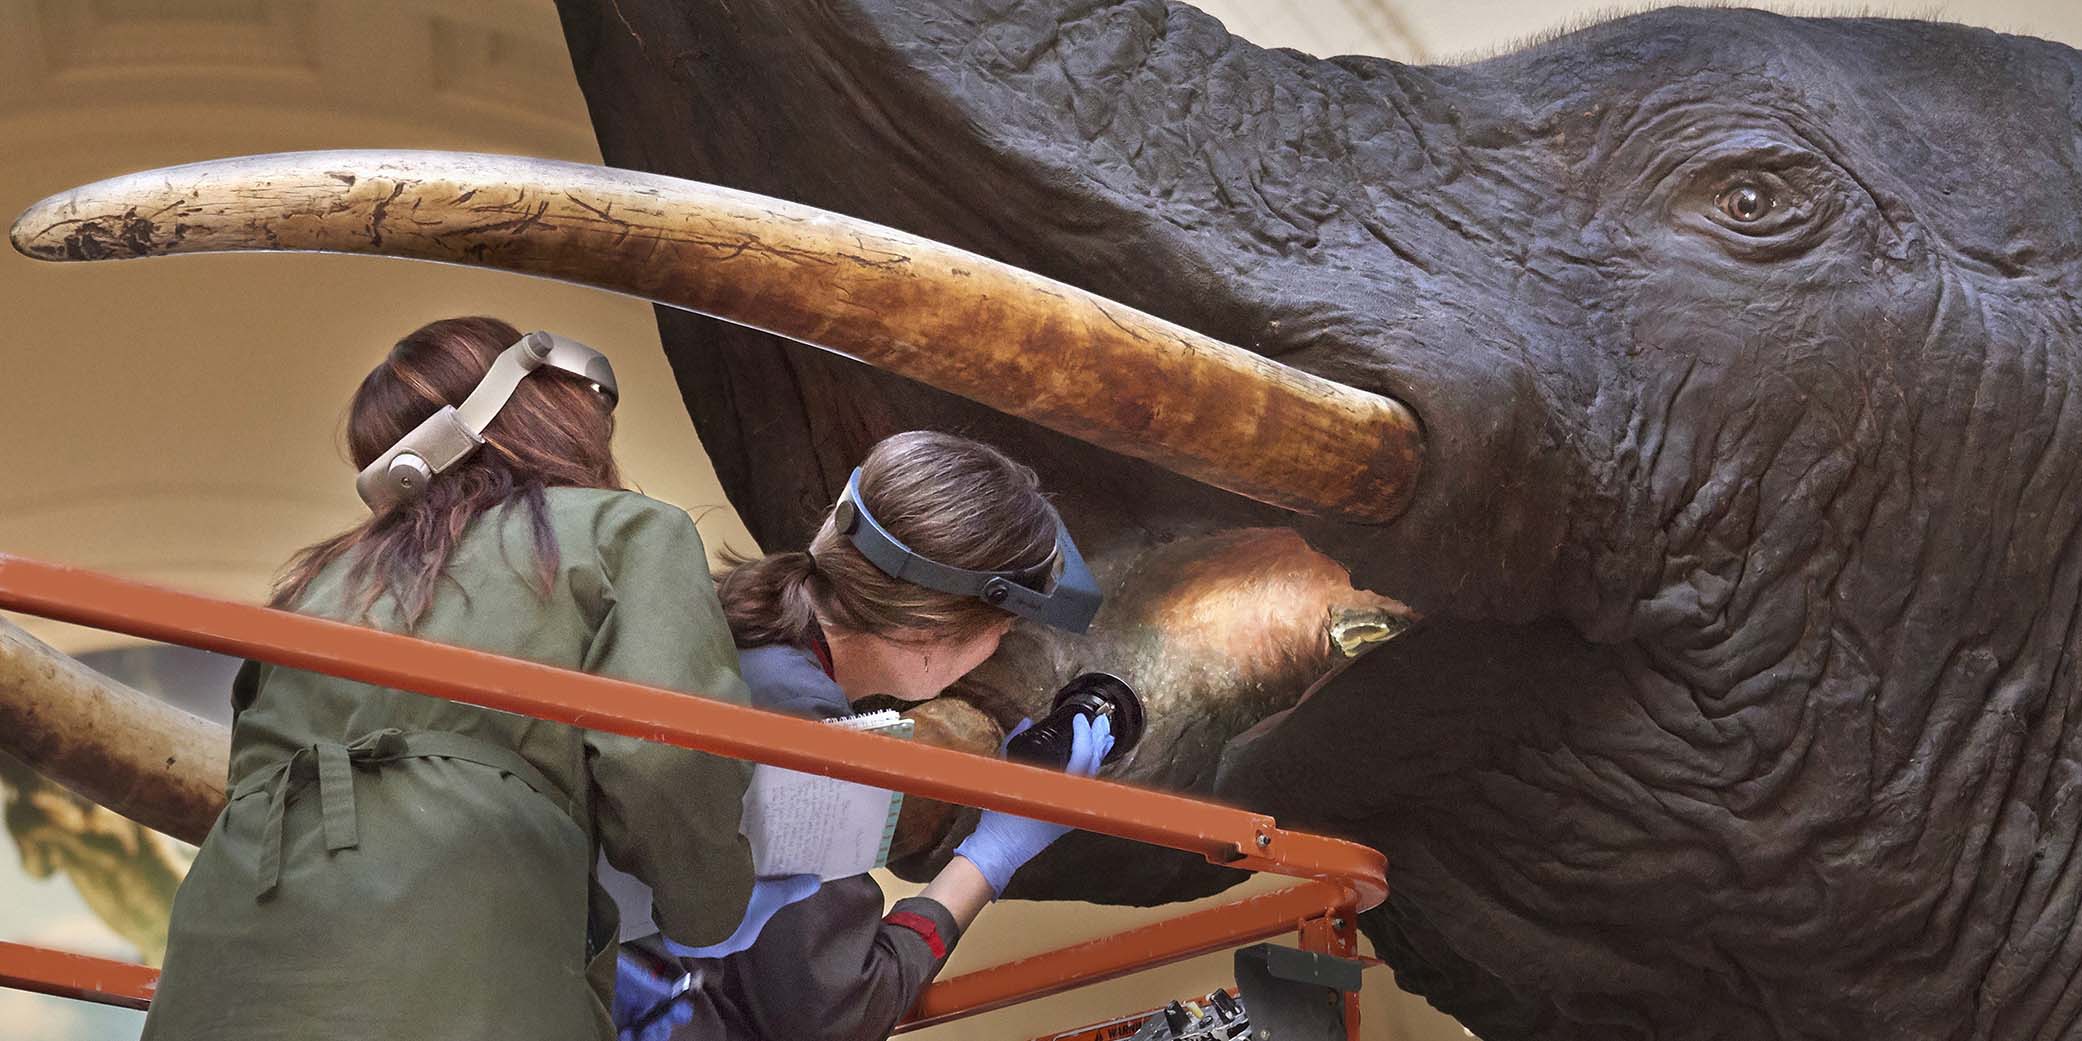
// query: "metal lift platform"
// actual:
[[1303, 993]]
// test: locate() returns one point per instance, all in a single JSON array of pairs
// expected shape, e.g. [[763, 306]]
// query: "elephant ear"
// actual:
[[1131, 149]]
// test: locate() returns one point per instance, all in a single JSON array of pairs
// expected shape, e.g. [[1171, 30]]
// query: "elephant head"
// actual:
[[1744, 348]]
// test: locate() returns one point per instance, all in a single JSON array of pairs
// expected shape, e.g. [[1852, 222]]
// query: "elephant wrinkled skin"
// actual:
[[1744, 348]]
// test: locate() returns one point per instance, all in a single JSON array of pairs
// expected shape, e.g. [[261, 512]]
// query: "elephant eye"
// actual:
[[1744, 203], [1747, 197]]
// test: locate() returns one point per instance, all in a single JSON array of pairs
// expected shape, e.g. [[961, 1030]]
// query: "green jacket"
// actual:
[[392, 865]]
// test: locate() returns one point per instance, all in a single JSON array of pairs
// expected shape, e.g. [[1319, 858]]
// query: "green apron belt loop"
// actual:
[[335, 795], [332, 765]]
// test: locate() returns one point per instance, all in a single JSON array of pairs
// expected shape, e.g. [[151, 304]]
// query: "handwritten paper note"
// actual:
[[805, 824]]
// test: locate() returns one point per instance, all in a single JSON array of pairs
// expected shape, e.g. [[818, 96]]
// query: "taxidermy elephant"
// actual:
[[1736, 351], [1746, 350]]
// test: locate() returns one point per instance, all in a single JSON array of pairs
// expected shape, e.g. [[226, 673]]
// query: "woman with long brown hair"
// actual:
[[393, 865], [827, 626]]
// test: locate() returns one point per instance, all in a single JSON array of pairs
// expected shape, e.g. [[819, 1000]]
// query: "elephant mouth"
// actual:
[[1221, 631]]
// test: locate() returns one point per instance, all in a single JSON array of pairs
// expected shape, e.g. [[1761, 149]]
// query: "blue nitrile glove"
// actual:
[[1001, 842], [768, 896], [650, 998]]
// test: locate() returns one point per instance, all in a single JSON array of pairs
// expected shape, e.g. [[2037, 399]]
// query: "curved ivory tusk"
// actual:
[[115, 746], [1015, 341]]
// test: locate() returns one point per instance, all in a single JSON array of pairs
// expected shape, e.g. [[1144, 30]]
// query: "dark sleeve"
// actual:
[[668, 815], [832, 968], [245, 686]]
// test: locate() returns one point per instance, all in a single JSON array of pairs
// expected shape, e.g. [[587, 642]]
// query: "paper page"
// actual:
[[795, 810], [806, 824], [802, 824]]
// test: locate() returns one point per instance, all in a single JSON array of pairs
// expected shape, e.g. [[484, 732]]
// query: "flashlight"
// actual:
[[1091, 695]]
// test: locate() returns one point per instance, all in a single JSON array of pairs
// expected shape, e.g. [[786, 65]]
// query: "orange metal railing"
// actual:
[[1343, 877], [81, 976]]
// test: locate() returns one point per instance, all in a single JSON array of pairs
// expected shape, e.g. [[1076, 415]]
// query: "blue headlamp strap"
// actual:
[[1060, 592]]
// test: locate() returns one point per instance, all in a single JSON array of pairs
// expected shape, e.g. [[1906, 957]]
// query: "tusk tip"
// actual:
[[22, 239], [44, 231]]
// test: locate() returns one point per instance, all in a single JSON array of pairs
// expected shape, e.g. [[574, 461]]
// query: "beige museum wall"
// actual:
[[175, 420]]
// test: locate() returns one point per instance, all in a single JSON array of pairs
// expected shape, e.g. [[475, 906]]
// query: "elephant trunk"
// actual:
[[1015, 341]]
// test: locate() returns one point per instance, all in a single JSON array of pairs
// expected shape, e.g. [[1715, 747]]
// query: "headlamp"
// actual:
[[1060, 591], [447, 437]]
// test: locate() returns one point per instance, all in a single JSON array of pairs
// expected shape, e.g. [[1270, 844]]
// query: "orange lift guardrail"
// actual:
[[1343, 878]]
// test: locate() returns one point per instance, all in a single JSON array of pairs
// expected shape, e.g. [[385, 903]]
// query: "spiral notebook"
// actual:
[[806, 824]]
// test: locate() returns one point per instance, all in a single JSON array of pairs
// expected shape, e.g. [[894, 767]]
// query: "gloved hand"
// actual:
[[650, 997], [768, 896], [1002, 842], [650, 992]]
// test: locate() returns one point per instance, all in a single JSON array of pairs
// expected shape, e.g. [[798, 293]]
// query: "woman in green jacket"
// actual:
[[392, 865]]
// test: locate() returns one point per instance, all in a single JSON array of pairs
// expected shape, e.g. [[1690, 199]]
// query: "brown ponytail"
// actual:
[[954, 500], [768, 599]]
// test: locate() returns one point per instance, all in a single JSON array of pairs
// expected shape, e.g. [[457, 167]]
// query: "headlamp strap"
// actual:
[[449, 435], [895, 559], [500, 381], [1069, 602]]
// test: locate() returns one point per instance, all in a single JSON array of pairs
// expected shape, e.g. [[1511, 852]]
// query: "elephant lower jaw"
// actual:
[[1220, 634]]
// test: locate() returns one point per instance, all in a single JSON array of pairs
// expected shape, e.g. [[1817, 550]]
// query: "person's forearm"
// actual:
[[961, 889]]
